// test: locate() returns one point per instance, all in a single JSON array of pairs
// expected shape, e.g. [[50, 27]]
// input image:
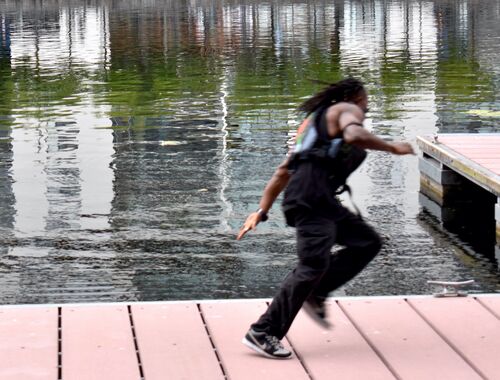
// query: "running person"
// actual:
[[330, 144]]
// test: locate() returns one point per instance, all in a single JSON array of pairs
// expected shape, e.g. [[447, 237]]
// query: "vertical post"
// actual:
[[440, 187], [497, 218]]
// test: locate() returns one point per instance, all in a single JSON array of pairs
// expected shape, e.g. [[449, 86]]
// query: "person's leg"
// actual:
[[315, 238], [361, 243]]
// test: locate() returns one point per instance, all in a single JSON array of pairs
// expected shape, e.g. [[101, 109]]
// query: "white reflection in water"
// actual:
[[223, 171], [82, 38], [28, 172], [95, 150]]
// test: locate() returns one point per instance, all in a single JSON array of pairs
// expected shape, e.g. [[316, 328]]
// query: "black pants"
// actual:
[[318, 271]]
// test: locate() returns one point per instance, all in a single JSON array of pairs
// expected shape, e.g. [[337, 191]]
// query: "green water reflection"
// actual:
[[147, 60]]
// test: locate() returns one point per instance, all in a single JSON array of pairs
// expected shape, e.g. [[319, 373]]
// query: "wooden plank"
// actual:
[[228, 323], [489, 142], [97, 343], [487, 162], [469, 327], [492, 161], [488, 179], [471, 145], [492, 304], [473, 151], [172, 340], [28, 343], [338, 351], [406, 342], [472, 148], [480, 154], [495, 169], [469, 138]]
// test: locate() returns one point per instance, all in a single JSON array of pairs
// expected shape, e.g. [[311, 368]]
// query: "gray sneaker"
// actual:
[[315, 308], [266, 345]]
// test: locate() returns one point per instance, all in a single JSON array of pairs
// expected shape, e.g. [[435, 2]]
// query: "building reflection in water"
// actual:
[[9, 281], [7, 198]]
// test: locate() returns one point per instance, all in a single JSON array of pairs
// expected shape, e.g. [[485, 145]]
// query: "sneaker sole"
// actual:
[[251, 345], [312, 314]]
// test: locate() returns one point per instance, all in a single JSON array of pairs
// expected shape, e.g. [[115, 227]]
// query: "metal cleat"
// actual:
[[450, 289]]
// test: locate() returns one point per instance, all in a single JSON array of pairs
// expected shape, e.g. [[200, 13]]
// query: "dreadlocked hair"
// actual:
[[341, 91]]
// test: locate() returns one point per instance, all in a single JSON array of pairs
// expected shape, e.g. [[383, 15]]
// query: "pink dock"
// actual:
[[459, 171], [373, 338]]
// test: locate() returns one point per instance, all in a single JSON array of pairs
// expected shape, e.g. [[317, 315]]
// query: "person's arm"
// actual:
[[273, 188], [350, 123]]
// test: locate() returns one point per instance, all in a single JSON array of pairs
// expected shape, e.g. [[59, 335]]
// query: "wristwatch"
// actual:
[[263, 215]]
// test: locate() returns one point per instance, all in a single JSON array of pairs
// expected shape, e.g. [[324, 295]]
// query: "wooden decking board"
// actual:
[[372, 338], [471, 329], [461, 153], [493, 168], [336, 352], [28, 343], [480, 156], [228, 323], [470, 144], [467, 138], [97, 343], [172, 340], [406, 341], [492, 304], [492, 161], [473, 150], [475, 147]]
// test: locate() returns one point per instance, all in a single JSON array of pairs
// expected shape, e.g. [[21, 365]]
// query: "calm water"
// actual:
[[135, 136]]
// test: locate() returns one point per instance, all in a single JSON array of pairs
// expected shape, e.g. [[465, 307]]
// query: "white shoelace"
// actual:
[[275, 342]]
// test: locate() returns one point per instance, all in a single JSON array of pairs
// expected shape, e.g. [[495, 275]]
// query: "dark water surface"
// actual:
[[135, 136]]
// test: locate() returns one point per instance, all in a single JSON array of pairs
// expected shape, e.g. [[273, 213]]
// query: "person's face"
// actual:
[[361, 100]]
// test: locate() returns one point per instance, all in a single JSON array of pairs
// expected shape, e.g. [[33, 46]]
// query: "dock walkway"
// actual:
[[451, 162], [418, 337], [474, 156]]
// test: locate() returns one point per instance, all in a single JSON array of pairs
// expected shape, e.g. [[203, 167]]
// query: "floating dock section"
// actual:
[[461, 172], [418, 337]]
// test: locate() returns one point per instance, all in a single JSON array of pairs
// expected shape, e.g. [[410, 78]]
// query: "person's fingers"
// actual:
[[404, 148], [410, 149], [250, 224], [240, 234], [243, 232]]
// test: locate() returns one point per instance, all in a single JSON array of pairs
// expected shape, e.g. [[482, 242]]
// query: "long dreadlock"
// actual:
[[344, 90]]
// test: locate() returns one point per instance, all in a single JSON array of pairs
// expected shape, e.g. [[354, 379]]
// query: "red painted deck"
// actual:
[[482, 149], [474, 156], [373, 338]]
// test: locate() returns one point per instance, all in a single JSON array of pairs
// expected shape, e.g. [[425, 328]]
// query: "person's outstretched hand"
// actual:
[[401, 148], [250, 224]]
